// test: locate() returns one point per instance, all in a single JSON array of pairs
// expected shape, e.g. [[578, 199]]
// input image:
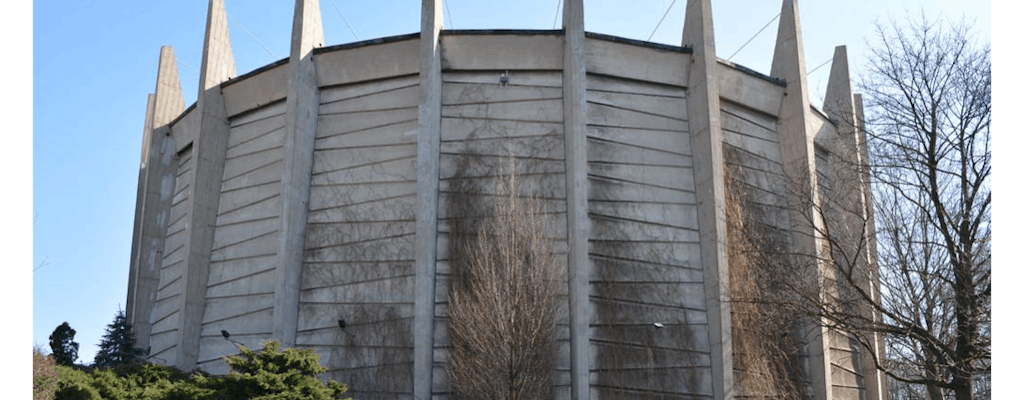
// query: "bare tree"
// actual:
[[929, 90], [910, 288], [504, 301]]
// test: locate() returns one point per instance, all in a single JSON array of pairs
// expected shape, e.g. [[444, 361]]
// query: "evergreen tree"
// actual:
[[63, 344], [117, 347]]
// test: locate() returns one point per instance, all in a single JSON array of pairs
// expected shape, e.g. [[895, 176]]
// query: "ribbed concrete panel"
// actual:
[[240, 288], [483, 120], [165, 314], [644, 244], [359, 238]]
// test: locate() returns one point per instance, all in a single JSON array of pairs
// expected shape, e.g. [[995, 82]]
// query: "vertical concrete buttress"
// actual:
[[796, 145], [574, 106], [844, 109], [301, 112], [702, 99], [153, 200], [879, 383], [210, 148], [427, 180]]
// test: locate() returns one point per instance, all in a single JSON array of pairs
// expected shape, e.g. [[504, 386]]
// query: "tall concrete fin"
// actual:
[[709, 177], [218, 59], [428, 145], [209, 149], [301, 108], [574, 106], [168, 102], [140, 199], [876, 382], [796, 145], [839, 95], [152, 201]]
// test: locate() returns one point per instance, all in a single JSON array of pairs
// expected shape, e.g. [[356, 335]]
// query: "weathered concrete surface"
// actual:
[[208, 152], [754, 92], [628, 161], [156, 184], [574, 107], [365, 63], [636, 62], [796, 141], [706, 142], [427, 154], [501, 51], [266, 87], [300, 134]]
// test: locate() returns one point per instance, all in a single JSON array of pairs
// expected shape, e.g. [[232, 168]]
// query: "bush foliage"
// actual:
[[269, 374]]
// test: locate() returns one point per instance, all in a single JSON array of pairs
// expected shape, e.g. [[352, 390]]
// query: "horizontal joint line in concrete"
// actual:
[[214, 260], [639, 128], [163, 299], [613, 179], [638, 261], [250, 186], [372, 163], [166, 331], [360, 241], [312, 210], [173, 264], [484, 118], [368, 111], [183, 198], [253, 152], [488, 103], [331, 185], [231, 244], [238, 278], [247, 205], [681, 96], [254, 138], [356, 283], [320, 138], [363, 303], [735, 132], [599, 139], [618, 107], [641, 201], [229, 178], [592, 240], [750, 121], [365, 95], [166, 256], [647, 391], [505, 157], [350, 261], [164, 350], [649, 368], [597, 297], [166, 285], [363, 221], [608, 217], [261, 119], [249, 221], [682, 167], [623, 343], [271, 307]]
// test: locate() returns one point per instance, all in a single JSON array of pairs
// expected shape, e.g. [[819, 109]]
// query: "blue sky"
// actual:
[[93, 64]]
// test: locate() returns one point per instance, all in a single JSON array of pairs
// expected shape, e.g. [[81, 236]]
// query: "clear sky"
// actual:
[[95, 62]]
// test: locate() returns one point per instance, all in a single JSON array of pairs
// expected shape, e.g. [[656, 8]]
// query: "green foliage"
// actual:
[[44, 376], [63, 345], [117, 347], [273, 374], [270, 374]]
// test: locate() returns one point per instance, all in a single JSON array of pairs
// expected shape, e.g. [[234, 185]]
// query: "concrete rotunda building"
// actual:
[[315, 190]]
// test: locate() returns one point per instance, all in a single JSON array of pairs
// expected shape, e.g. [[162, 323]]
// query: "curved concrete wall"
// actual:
[[646, 241]]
